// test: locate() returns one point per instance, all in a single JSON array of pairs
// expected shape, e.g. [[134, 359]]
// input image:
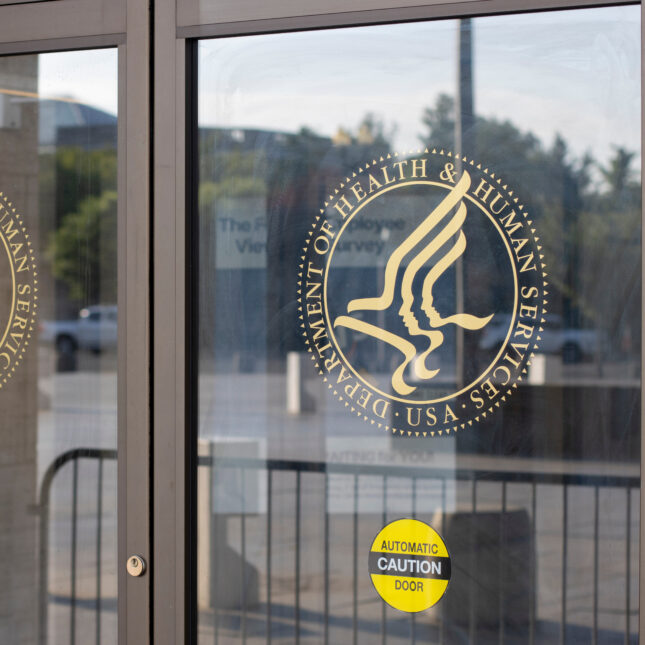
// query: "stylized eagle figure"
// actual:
[[417, 243]]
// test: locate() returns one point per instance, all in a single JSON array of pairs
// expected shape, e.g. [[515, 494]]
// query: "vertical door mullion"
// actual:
[[134, 443], [170, 451]]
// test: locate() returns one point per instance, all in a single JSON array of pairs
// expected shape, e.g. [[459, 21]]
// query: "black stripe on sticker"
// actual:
[[409, 566]]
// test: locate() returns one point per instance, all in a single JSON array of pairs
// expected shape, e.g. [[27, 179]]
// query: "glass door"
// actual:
[[417, 292], [72, 342]]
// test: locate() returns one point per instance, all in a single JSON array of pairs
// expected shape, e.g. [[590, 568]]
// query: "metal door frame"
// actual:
[[176, 24], [60, 25]]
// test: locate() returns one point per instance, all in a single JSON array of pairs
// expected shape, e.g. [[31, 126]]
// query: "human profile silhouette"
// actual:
[[421, 247]]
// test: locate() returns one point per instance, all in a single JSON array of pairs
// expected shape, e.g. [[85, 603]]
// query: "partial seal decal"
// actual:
[[18, 289], [409, 565], [407, 266]]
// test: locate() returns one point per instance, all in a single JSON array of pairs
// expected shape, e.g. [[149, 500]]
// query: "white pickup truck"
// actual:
[[572, 344], [95, 329]]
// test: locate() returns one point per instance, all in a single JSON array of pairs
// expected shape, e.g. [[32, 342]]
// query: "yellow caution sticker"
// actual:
[[409, 565]]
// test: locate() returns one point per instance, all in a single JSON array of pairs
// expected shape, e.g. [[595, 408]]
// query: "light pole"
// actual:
[[464, 143]]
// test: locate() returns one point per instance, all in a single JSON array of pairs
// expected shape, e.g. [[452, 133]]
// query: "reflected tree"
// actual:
[[78, 224], [83, 250], [587, 213]]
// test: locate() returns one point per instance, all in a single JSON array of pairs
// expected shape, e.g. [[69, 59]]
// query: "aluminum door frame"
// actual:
[[177, 23], [63, 25]]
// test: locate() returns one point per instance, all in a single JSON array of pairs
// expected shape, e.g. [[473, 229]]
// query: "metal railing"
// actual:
[[414, 475], [73, 456], [355, 472]]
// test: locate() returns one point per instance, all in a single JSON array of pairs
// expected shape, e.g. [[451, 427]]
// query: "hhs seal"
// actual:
[[18, 295], [404, 267]]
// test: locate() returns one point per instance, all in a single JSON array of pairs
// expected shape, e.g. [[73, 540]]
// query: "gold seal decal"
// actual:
[[18, 289], [422, 292]]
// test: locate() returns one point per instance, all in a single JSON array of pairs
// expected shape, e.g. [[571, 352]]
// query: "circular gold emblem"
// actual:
[[18, 289], [409, 565], [422, 292]]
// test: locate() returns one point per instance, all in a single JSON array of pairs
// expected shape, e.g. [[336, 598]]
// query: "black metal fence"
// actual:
[[473, 481], [72, 457]]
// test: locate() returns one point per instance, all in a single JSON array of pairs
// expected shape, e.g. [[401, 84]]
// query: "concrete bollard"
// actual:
[[225, 580], [298, 401], [545, 370]]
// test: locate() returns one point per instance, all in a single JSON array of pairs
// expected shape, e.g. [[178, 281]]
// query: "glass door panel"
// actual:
[[420, 332], [58, 424]]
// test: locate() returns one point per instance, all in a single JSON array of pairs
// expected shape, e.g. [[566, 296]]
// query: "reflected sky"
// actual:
[[572, 72], [88, 76]]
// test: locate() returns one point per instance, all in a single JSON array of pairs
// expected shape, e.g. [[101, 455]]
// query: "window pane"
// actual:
[[419, 297], [58, 363]]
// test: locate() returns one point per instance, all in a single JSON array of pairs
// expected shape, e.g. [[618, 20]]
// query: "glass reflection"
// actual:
[[539, 501], [58, 409]]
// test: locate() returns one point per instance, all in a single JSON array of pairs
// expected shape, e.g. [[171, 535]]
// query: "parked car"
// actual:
[[94, 329], [572, 344]]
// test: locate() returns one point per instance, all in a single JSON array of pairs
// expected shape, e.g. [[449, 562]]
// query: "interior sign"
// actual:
[[404, 267], [18, 289], [409, 565]]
